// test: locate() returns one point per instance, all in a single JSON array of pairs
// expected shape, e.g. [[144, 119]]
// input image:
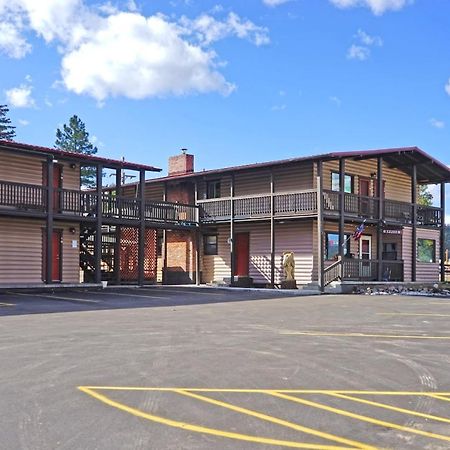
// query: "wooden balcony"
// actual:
[[29, 200], [304, 203]]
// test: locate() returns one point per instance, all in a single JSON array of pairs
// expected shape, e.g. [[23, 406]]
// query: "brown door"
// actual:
[[56, 256], [242, 254], [364, 202]]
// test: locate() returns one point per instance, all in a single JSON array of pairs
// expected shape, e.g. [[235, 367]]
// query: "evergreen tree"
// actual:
[[6, 129], [75, 138], [425, 197]]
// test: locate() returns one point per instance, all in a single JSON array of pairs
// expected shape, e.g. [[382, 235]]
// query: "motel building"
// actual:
[[225, 226]]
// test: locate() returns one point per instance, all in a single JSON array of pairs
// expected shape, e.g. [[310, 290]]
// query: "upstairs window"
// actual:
[[213, 189], [348, 182], [426, 250], [210, 244]]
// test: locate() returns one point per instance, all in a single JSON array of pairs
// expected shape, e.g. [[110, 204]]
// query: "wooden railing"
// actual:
[[367, 270], [333, 272], [23, 196], [171, 212]]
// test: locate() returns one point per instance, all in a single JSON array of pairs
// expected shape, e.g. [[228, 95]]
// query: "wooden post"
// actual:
[[164, 268], [232, 248], [380, 218], [48, 275], [141, 239], [342, 208], [197, 239], [272, 230], [98, 225], [320, 265], [442, 237], [414, 223], [117, 276]]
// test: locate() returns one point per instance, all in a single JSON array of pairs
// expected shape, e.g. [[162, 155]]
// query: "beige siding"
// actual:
[[407, 253], [71, 176], [250, 183], [294, 177], [398, 183], [21, 251], [294, 236]]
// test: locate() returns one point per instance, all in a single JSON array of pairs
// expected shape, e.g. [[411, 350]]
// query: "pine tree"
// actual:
[[425, 197], [75, 138], [6, 129]]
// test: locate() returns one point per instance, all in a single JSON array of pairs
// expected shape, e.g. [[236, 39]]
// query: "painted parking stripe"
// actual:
[[390, 407], [414, 314], [440, 397], [276, 420], [204, 430], [361, 335], [359, 417], [58, 297]]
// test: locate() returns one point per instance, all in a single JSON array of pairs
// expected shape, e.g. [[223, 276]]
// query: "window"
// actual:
[[332, 245], [348, 182], [210, 244], [213, 189], [426, 250]]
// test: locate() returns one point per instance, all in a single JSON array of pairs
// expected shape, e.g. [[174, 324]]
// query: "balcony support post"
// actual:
[[342, 243], [117, 277], [141, 239], [164, 243], [414, 223], [442, 233], [98, 225], [48, 275], [197, 237], [320, 234], [272, 231], [232, 248], [380, 218]]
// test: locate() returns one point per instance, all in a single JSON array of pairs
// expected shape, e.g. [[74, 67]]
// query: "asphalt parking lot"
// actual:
[[175, 368]]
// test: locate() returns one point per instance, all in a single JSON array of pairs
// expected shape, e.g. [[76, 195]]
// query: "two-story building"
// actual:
[[53, 231], [250, 215]]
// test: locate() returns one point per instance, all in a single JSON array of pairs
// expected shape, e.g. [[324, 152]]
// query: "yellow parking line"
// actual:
[[440, 397], [392, 408], [439, 303], [363, 335], [263, 391], [205, 430], [57, 297], [414, 314], [276, 420], [360, 417]]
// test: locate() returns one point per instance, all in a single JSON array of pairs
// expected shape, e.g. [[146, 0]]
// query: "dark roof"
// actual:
[[82, 158], [429, 170]]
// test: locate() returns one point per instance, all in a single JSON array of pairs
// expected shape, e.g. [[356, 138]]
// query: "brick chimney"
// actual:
[[181, 164]]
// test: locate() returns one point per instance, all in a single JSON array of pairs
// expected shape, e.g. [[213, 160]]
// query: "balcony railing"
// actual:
[[31, 199]]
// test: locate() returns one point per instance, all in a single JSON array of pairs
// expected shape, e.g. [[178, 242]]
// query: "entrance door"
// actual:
[[365, 255], [56, 256], [242, 254], [364, 203], [57, 184]]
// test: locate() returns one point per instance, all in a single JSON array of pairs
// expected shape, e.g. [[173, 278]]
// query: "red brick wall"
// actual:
[[181, 164]]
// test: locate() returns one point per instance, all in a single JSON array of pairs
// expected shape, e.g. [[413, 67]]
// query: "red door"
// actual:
[[57, 183], [364, 202], [56, 255], [242, 252]]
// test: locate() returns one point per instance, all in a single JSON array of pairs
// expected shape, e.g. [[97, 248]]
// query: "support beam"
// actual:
[[48, 275], [117, 277], [232, 248], [442, 243], [98, 225], [341, 208], [380, 218], [197, 236], [414, 223], [272, 230], [320, 236], [164, 243], [141, 239]]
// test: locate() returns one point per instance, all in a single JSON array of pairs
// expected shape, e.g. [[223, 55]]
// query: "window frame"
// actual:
[[347, 245], [352, 182], [217, 188], [433, 249], [208, 248]]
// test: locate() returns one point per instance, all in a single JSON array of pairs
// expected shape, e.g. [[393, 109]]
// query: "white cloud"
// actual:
[[12, 43], [20, 97], [436, 123], [358, 52], [208, 29], [279, 107], [107, 52], [378, 7], [367, 39], [23, 122], [447, 87], [336, 100], [275, 2]]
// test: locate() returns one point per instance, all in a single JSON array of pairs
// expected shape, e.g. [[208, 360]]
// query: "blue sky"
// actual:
[[234, 82]]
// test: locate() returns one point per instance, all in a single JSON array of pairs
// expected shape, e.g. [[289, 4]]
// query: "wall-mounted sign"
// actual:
[[392, 231]]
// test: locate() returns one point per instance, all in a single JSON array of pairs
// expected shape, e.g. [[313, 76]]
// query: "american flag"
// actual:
[[358, 232]]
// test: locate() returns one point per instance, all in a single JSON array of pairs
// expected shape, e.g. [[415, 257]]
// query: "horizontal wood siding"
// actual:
[[217, 267], [407, 253], [428, 271], [295, 177], [70, 254], [397, 183], [250, 183]]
